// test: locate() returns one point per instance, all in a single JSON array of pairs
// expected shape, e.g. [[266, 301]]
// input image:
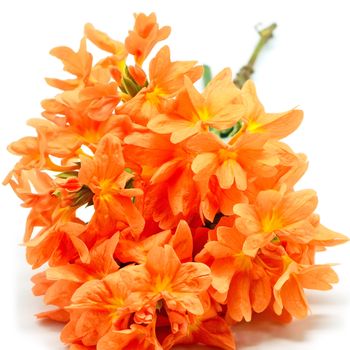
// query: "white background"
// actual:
[[307, 64]]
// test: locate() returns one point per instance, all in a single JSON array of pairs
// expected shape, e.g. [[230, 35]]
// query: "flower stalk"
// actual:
[[247, 70]]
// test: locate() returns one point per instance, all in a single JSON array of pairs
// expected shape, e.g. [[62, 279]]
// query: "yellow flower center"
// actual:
[[254, 127], [203, 114], [162, 284], [107, 189], [154, 96], [105, 185], [271, 223], [91, 136], [114, 308], [225, 154], [118, 302]]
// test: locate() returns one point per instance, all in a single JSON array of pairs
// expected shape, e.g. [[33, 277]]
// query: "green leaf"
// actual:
[[207, 75]]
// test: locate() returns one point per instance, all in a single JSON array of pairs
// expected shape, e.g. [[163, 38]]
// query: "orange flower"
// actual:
[[101, 264], [256, 121], [85, 130], [130, 250], [233, 162], [77, 63], [59, 243], [288, 171], [99, 101], [104, 42], [136, 251], [57, 293], [96, 306], [166, 80], [91, 93], [195, 112], [288, 290], [105, 175], [36, 151], [216, 200], [167, 168], [41, 201], [145, 36], [276, 215], [179, 285], [209, 329], [111, 66], [238, 279]]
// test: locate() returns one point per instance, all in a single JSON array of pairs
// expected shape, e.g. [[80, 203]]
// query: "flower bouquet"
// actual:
[[164, 215]]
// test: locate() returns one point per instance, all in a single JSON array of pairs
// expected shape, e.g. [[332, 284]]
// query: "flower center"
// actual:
[[203, 114], [271, 223], [225, 154], [154, 96], [254, 127], [162, 284]]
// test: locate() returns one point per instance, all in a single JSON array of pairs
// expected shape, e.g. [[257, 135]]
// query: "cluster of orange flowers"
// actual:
[[189, 234]]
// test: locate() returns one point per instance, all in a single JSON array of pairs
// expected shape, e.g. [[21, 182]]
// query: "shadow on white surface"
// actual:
[[44, 333], [261, 332]]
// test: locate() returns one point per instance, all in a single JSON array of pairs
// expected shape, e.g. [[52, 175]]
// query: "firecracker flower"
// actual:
[[190, 232]]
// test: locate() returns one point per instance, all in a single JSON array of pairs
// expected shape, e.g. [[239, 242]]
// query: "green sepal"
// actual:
[[67, 174]]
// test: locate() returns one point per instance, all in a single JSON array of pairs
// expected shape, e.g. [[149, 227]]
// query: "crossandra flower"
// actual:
[[194, 112], [166, 80], [276, 215], [289, 289], [179, 285], [105, 175], [161, 214], [96, 306], [145, 35], [238, 279], [257, 121]]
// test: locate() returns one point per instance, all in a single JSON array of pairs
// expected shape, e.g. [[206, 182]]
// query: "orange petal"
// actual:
[[215, 332], [204, 161], [192, 277], [326, 237], [318, 277], [255, 242], [281, 125], [248, 222], [170, 262], [69, 272], [222, 272], [260, 294], [298, 206], [238, 302], [293, 298], [104, 42], [182, 241]]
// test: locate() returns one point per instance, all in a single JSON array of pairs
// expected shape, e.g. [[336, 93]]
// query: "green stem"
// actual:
[[247, 70]]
